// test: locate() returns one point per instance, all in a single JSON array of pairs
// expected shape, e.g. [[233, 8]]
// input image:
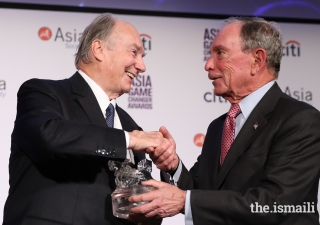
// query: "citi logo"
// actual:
[[2, 88], [211, 97], [44, 33], [291, 48], [146, 41]]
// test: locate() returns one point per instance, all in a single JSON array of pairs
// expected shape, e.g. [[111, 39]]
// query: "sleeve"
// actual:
[[290, 174], [44, 132]]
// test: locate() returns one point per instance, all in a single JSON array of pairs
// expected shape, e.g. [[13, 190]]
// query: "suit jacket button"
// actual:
[[103, 152], [98, 151]]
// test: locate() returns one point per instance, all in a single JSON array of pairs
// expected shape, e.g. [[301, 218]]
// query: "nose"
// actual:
[[209, 64], [140, 66]]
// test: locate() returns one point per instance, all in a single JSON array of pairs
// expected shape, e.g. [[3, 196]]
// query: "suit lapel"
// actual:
[[127, 122], [87, 99], [212, 146], [248, 132], [90, 105]]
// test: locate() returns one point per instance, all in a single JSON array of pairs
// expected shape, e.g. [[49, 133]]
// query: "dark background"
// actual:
[[285, 10]]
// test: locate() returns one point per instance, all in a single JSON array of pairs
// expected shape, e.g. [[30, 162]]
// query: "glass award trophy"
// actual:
[[128, 180]]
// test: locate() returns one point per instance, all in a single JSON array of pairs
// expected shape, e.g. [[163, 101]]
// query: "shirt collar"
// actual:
[[101, 96], [250, 101]]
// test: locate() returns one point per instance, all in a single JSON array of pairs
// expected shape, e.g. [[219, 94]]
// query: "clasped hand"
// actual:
[[160, 146]]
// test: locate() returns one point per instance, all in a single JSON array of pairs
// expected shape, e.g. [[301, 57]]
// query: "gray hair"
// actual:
[[100, 29], [258, 33]]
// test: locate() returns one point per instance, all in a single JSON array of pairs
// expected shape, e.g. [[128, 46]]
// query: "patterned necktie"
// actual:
[[228, 130], [110, 115]]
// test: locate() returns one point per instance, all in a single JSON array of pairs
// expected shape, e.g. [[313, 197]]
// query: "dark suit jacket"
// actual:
[[56, 174], [278, 163]]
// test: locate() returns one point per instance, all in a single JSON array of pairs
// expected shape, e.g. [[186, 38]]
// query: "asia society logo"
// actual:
[[44, 33], [301, 95], [70, 38], [211, 97], [291, 48], [140, 96], [146, 41], [209, 35], [2, 88], [199, 139]]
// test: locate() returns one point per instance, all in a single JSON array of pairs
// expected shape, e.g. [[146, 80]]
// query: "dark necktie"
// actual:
[[228, 130], [110, 115]]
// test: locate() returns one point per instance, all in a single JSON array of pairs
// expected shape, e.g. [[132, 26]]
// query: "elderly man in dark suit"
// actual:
[[66, 131], [260, 161]]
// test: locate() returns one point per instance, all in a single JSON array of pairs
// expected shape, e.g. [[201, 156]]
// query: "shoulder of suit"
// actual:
[[292, 104], [218, 121], [290, 107], [45, 85]]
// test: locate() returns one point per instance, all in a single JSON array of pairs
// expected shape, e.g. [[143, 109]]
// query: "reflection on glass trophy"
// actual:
[[128, 180]]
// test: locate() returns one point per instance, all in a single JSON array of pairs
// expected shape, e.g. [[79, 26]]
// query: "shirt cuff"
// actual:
[[187, 210], [175, 177], [127, 138]]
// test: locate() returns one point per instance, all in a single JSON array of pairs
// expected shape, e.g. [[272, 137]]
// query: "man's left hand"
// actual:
[[164, 156], [167, 200]]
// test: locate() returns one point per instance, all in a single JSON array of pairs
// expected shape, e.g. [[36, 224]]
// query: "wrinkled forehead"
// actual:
[[126, 30], [228, 35], [127, 33]]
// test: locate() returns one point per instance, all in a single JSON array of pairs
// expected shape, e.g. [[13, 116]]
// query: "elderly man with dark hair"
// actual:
[[260, 161], [66, 131]]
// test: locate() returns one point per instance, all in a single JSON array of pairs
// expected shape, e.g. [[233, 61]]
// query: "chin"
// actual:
[[126, 90], [217, 92]]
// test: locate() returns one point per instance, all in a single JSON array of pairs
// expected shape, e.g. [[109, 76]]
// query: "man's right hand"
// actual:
[[140, 140]]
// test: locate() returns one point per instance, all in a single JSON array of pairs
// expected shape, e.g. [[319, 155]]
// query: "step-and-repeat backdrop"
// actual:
[[174, 91]]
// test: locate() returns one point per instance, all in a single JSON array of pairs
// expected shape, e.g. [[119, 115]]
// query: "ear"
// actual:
[[97, 50], [259, 60]]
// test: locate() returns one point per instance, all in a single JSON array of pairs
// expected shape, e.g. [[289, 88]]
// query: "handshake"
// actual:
[[167, 200], [159, 145]]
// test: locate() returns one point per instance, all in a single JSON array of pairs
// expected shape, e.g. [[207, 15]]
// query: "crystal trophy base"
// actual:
[[120, 203]]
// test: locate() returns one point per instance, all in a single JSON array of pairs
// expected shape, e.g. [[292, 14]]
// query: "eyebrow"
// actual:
[[139, 48], [218, 47]]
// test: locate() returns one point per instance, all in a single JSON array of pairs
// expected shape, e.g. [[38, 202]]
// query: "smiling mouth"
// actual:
[[130, 75]]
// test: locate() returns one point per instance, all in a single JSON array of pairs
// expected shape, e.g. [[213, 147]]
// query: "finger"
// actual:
[[152, 213], [153, 183], [169, 164], [169, 152], [150, 150], [140, 198], [165, 132], [167, 135], [161, 149], [167, 158], [142, 209]]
